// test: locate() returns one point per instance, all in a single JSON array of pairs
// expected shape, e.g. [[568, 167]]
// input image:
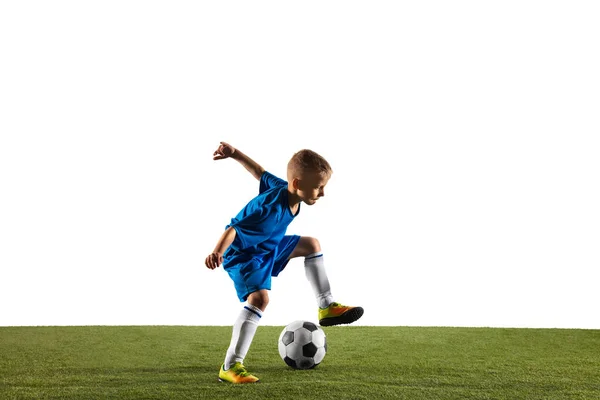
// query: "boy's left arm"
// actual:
[[216, 257]]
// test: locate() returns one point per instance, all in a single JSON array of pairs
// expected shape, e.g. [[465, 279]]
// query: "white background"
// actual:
[[463, 137]]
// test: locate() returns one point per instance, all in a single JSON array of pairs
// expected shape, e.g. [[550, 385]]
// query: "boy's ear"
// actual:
[[295, 183]]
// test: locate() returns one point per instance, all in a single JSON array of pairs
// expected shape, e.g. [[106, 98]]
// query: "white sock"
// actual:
[[243, 333], [316, 275]]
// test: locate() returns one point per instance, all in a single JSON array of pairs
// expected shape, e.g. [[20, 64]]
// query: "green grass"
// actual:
[[174, 362]]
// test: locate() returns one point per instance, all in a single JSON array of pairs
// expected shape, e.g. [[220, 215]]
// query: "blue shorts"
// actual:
[[256, 274]]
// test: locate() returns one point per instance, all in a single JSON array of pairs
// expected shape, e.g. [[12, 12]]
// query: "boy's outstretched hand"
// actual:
[[225, 150], [214, 260]]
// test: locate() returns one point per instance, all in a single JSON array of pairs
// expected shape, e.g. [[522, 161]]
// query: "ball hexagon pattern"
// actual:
[[302, 345]]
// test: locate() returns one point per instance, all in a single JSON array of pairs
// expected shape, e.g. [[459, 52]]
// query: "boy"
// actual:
[[254, 248]]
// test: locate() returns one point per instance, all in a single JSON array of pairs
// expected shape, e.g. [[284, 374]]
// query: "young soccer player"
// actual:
[[254, 247]]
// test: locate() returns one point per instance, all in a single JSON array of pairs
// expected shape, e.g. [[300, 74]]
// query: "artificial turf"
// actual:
[[182, 362]]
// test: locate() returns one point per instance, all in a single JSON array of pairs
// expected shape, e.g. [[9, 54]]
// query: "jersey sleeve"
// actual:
[[254, 228], [268, 181]]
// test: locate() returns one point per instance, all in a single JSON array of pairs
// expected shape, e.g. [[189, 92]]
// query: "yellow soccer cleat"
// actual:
[[236, 374], [337, 314]]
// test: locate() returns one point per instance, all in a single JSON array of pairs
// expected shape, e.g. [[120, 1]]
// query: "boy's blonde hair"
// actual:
[[307, 161]]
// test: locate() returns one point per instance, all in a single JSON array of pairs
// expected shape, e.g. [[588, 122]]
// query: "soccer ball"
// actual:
[[302, 345]]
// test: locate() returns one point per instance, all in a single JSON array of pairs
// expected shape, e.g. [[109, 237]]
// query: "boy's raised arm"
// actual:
[[252, 166], [226, 150]]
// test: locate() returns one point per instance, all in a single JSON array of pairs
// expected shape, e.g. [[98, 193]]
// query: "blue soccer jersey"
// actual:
[[261, 248]]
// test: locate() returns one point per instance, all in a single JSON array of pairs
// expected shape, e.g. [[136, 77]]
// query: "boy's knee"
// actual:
[[312, 245], [259, 299]]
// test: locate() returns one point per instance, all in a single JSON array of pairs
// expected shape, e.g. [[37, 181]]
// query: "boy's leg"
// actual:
[[330, 312], [243, 333]]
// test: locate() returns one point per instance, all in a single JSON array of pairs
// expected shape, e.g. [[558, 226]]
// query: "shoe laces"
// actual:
[[241, 371]]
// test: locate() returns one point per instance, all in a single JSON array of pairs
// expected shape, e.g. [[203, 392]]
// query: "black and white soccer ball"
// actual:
[[302, 345]]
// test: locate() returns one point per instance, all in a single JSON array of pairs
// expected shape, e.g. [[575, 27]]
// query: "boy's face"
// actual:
[[311, 186]]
